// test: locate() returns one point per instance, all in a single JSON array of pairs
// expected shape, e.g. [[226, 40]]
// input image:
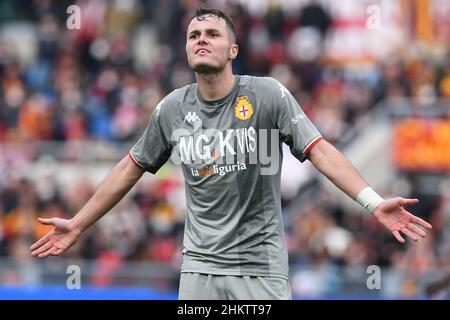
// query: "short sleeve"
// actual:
[[153, 149], [296, 129]]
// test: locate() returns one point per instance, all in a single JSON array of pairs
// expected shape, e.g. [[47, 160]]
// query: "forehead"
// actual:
[[207, 22]]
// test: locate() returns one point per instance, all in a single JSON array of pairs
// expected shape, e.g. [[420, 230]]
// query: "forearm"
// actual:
[[331, 163], [115, 186]]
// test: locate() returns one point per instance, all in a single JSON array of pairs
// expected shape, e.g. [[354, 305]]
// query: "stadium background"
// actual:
[[374, 76]]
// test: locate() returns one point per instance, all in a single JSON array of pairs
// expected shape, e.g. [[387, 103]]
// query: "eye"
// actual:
[[193, 36]]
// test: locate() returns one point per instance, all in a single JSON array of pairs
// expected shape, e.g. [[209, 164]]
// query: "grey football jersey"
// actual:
[[230, 152]]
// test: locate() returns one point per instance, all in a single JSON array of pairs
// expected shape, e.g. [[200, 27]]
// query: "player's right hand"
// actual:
[[58, 240]]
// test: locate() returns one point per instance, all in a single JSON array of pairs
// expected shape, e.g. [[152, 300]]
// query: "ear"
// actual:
[[233, 51]]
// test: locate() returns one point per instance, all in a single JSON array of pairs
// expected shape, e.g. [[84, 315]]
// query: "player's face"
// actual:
[[209, 45]]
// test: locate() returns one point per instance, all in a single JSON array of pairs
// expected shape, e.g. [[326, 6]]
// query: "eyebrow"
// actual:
[[207, 31]]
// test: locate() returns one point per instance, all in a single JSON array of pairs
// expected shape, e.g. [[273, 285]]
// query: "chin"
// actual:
[[206, 68]]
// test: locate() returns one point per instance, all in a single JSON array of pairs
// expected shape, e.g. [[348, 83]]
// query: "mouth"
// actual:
[[202, 51]]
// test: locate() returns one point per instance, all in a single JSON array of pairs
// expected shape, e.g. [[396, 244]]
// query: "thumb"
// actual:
[[50, 221], [405, 202]]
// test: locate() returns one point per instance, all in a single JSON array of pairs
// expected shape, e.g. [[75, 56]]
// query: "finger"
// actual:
[[45, 254], [416, 230], [43, 248], [421, 222], [50, 221], [408, 233], [39, 243], [406, 202], [56, 251], [398, 236]]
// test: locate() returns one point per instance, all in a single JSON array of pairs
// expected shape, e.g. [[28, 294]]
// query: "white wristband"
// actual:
[[369, 199]]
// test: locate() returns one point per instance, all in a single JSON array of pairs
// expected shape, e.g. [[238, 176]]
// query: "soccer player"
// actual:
[[221, 129]]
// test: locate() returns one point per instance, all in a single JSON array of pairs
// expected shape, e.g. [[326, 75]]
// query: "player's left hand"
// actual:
[[392, 215]]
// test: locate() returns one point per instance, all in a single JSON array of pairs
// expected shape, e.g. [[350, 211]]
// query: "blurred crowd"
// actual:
[[102, 82]]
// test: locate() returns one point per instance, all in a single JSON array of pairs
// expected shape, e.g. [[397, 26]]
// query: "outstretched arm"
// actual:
[[66, 232], [390, 213]]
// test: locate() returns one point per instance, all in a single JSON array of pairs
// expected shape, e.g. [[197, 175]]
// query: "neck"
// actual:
[[214, 86]]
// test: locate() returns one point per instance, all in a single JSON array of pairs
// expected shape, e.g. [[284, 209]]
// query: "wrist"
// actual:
[[369, 199], [75, 227]]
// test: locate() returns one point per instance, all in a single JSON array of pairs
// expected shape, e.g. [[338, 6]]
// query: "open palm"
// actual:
[[393, 216], [58, 240]]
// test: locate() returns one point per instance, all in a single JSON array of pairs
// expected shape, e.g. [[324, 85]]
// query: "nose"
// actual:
[[202, 39]]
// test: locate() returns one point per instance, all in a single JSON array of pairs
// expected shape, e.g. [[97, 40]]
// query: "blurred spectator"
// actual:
[[101, 84]]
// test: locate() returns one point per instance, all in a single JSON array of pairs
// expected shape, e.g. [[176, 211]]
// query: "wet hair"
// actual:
[[202, 13]]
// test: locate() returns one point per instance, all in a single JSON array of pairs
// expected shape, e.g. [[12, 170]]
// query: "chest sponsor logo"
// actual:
[[243, 110], [225, 150], [221, 170], [216, 144]]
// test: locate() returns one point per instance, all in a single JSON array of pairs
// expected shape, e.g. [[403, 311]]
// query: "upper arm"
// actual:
[[132, 165], [154, 148], [319, 151], [130, 168], [296, 129]]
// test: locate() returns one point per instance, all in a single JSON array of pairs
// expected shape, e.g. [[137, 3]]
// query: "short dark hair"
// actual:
[[201, 13]]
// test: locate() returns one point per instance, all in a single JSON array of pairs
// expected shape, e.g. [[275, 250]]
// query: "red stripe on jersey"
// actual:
[[135, 162], [311, 145]]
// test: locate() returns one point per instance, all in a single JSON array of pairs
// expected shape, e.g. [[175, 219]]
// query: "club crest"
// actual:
[[243, 110]]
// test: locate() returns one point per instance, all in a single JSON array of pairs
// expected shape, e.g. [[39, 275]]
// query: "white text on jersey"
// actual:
[[191, 117]]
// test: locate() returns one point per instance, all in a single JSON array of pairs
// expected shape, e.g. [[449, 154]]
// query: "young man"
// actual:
[[221, 129]]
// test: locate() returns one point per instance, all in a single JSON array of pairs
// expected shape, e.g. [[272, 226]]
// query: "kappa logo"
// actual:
[[283, 90], [243, 110], [158, 107], [191, 117]]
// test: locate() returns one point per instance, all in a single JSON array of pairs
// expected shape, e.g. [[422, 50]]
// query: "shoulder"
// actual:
[[180, 95], [267, 89], [175, 99], [260, 82], [263, 86]]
